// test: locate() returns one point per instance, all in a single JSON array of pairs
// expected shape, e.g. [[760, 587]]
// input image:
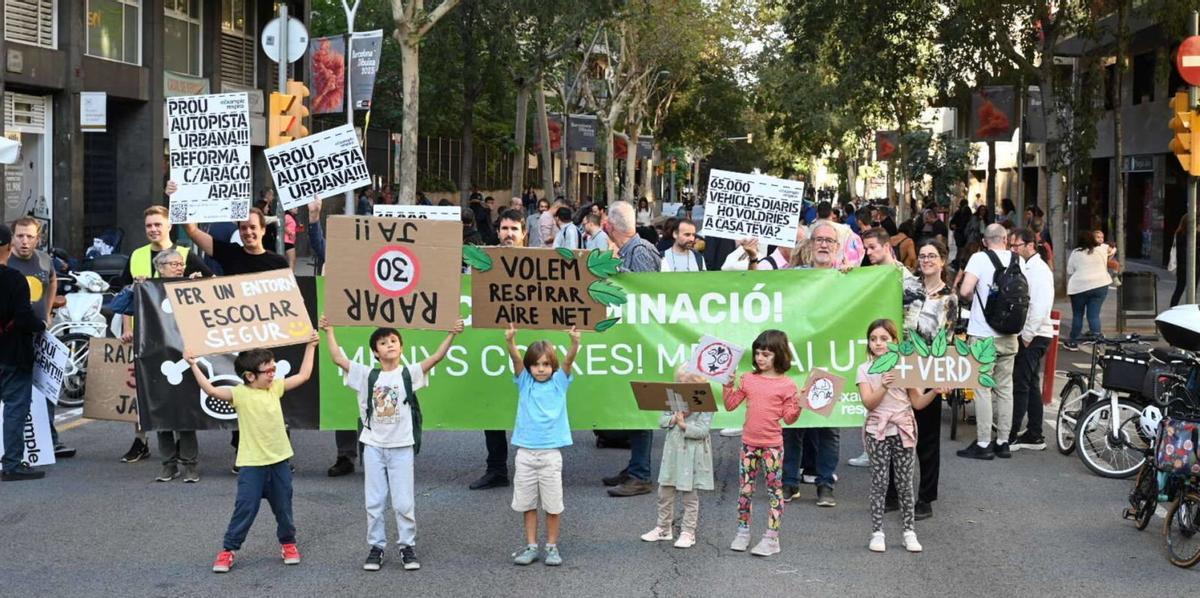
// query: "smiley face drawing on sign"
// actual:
[[395, 271]]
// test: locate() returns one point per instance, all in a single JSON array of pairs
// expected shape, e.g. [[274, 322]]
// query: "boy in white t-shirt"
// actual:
[[391, 434]]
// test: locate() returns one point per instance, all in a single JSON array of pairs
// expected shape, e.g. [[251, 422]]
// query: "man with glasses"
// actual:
[[1034, 338]]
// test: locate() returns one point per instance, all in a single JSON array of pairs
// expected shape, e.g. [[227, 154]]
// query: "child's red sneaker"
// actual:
[[224, 562], [291, 554]]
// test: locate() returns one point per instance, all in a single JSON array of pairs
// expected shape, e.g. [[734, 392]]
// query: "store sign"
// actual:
[[93, 111], [1139, 164]]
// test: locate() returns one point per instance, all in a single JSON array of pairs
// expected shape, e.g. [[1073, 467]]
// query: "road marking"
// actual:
[[74, 424]]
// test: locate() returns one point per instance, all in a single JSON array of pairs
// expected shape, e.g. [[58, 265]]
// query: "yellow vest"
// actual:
[[140, 265]]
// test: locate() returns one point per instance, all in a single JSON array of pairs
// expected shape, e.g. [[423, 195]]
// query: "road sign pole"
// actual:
[[280, 225], [350, 11], [1194, 27]]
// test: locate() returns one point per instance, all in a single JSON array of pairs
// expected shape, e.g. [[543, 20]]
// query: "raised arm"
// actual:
[[569, 360], [222, 393], [791, 408], [306, 366], [428, 363], [732, 397], [335, 351], [510, 340]]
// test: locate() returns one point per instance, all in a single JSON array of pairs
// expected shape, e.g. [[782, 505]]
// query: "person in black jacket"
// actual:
[[18, 325]]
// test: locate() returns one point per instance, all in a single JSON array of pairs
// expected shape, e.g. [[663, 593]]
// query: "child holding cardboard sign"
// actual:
[[391, 434], [264, 450]]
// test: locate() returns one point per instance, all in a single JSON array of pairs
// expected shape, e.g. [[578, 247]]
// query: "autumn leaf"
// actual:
[[477, 258]]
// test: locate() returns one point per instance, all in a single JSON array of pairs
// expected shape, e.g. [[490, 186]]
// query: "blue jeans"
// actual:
[[16, 389], [254, 483], [823, 442], [640, 442], [1089, 302]]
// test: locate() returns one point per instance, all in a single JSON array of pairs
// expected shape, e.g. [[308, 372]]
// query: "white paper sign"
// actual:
[[209, 137], [451, 213], [39, 446], [742, 206], [715, 359], [93, 111], [49, 366], [321, 165]]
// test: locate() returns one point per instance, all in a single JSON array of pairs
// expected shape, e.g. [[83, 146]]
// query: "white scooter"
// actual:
[[77, 322]]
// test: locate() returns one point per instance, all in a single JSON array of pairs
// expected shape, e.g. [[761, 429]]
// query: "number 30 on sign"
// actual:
[[395, 271]]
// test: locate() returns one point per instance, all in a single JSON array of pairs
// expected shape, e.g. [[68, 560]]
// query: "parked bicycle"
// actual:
[[1106, 432]]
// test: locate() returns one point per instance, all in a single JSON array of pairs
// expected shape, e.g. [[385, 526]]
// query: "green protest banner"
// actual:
[[824, 313]]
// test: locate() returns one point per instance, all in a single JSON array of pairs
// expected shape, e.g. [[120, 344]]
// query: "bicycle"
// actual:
[[958, 398], [1107, 435]]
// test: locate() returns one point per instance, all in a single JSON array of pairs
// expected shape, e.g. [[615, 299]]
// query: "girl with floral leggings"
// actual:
[[770, 395]]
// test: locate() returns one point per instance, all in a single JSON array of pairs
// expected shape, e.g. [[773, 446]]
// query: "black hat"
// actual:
[[5, 235]]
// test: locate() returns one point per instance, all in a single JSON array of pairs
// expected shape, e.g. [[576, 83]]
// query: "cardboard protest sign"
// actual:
[[209, 137], [823, 391], [920, 364], [674, 396], [39, 446], [715, 359], [742, 206], [229, 314], [111, 392], [449, 213], [397, 273], [321, 165], [50, 358], [551, 289]]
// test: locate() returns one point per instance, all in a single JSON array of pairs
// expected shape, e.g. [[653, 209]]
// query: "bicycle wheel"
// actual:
[[75, 375], [1143, 499], [1106, 455], [1182, 529], [1070, 404]]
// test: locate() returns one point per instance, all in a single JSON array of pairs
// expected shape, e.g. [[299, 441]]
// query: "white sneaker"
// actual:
[[741, 541], [860, 461], [910, 541], [808, 479], [657, 534], [877, 544], [731, 432], [686, 540]]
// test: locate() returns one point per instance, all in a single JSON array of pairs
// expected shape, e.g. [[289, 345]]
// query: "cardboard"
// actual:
[[449, 213], [535, 289], [946, 362], [209, 140], [823, 391], [393, 273], [715, 359], [949, 371], [111, 391], [742, 206], [674, 396], [318, 166], [50, 358], [39, 445], [230, 314]]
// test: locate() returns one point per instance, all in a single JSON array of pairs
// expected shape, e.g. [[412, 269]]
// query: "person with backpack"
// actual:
[[994, 282], [682, 255], [391, 433]]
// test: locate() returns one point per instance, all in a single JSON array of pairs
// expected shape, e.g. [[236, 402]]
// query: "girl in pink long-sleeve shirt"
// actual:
[[770, 395]]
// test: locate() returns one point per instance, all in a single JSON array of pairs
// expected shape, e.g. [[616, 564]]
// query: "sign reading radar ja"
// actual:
[[235, 313]]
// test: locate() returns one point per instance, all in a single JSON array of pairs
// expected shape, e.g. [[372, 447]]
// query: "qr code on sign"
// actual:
[[239, 210], [179, 212]]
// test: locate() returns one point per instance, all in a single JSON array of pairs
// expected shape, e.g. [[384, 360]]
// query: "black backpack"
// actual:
[[1008, 296], [410, 399]]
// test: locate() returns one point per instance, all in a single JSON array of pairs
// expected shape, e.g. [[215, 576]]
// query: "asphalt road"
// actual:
[[1039, 524]]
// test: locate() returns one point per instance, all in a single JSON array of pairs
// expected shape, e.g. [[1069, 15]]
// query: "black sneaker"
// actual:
[[1028, 442], [20, 473], [891, 504], [922, 511], [790, 492], [825, 497], [62, 451], [1070, 346], [374, 559], [1001, 450], [974, 451], [490, 479], [616, 480], [409, 558], [136, 453], [343, 466]]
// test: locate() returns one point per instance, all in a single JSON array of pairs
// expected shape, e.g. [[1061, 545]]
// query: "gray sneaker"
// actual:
[[741, 541], [525, 556], [553, 558], [169, 472], [766, 547], [825, 497], [190, 475]]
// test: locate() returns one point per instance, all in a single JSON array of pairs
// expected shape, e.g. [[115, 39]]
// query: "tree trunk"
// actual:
[[1055, 194], [518, 166], [631, 161], [547, 156], [605, 164], [410, 60]]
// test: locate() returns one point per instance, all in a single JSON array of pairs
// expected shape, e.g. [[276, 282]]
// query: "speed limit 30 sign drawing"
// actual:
[[395, 271]]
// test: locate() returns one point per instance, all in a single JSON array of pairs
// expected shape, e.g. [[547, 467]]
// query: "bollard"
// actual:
[[1051, 360]]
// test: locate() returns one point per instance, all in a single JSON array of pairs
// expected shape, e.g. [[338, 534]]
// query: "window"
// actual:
[[31, 22], [114, 30], [182, 30], [1143, 77], [237, 42]]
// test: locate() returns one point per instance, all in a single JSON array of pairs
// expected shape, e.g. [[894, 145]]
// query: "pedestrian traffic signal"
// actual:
[[1182, 119], [298, 111], [280, 120]]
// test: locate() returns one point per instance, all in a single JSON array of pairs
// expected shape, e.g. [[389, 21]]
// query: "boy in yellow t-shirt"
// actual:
[[264, 449]]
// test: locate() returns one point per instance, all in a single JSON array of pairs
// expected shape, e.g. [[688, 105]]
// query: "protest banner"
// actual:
[[674, 396], [50, 358], [111, 392], [947, 362], [823, 392], [39, 445], [228, 314], [551, 289], [395, 273], [328, 55], [170, 399], [209, 137], [321, 165], [366, 47], [418, 212], [715, 359], [742, 206], [472, 388]]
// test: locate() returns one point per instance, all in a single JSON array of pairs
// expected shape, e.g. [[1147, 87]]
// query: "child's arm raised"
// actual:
[[732, 397], [294, 382], [510, 340], [569, 360], [335, 351], [220, 393], [791, 408], [428, 363], [872, 396], [921, 400]]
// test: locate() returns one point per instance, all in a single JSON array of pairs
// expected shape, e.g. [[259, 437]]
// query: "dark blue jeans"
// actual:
[[254, 483], [1027, 385], [821, 441], [1089, 302], [16, 388], [640, 442]]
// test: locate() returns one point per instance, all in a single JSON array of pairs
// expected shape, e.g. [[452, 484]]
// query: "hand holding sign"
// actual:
[[823, 391], [915, 363], [715, 359]]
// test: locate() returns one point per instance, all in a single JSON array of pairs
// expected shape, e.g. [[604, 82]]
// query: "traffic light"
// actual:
[[298, 110], [1182, 119], [286, 122]]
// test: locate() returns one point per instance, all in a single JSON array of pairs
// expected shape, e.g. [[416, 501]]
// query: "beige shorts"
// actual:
[[538, 479]]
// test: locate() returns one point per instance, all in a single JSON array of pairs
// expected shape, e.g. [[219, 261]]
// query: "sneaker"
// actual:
[[790, 492], [877, 543], [136, 453], [616, 480], [632, 487], [825, 497], [862, 460], [910, 541], [808, 479], [21, 473], [1028, 442], [169, 472], [343, 466], [766, 547], [686, 540], [658, 534], [730, 432], [374, 559], [1070, 346], [224, 562], [974, 451], [409, 558], [1001, 450], [63, 451], [490, 480], [553, 558], [526, 556], [922, 511], [741, 541], [190, 475], [291, 554], [891, 504]]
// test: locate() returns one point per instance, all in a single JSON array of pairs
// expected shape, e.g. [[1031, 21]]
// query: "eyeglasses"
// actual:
[[270, 370], [824, 241], [173, 264], [928, 256]]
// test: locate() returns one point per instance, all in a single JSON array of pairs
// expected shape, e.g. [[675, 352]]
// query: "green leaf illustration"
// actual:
[[987, 367], [566, 254], [906, 348], [987, 381], [886, 362], [603, 325], [918, 342], [961, 346], [939, 344], [607, 293], [603, 264], [984, 351], [893, 347], [477, 258]]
